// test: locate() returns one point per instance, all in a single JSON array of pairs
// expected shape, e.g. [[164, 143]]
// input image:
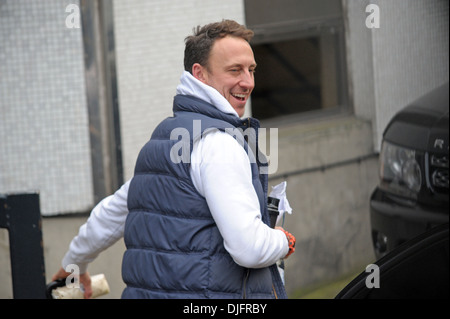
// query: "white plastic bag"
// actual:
[[279, 191]]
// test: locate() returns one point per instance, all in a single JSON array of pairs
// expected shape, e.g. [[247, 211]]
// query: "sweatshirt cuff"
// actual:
[[69, 260]]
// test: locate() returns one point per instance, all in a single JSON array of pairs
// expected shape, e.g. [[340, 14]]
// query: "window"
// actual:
[[299, 48]]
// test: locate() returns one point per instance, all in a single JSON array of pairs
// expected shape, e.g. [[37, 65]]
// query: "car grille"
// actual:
[[439, 173]]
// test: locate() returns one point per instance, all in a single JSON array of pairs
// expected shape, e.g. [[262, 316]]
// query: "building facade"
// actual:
[[84, 83]]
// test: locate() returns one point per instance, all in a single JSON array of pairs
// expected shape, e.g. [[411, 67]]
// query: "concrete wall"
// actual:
[[57, 234], [330, 172]]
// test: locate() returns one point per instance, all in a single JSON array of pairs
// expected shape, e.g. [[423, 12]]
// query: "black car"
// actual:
[[417, 269], [413, 192]]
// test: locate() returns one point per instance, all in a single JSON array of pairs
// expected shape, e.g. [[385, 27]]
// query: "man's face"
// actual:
[[230, 71]]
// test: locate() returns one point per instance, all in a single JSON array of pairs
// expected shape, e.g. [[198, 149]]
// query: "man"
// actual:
[[196, 227]]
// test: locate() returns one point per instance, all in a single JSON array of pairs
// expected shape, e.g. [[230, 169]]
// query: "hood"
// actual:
[[189, 85], [423, 124]]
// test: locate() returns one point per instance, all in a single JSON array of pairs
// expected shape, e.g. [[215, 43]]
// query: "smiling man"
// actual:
[[199, 228], [230, 70]]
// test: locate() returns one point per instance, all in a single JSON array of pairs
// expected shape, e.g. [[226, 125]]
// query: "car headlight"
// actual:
[[400, 172]]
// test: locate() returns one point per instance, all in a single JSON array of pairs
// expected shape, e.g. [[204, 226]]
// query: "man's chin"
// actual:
[[240, 110]]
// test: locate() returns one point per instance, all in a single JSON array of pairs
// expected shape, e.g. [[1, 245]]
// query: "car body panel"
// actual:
[[419, 124], [417, 269]]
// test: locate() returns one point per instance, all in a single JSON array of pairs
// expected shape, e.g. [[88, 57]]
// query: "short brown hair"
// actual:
[[198, 45]]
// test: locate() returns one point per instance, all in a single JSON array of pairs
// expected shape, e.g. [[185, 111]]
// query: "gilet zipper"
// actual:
[[244, 286]]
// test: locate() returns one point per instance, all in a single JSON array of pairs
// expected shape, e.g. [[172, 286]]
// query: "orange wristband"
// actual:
[[291, 242]]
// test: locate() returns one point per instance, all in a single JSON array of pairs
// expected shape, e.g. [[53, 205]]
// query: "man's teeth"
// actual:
[[240, 96]]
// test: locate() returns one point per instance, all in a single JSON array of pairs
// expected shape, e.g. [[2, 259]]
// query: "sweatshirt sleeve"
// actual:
[[103, 228], [221, 173]]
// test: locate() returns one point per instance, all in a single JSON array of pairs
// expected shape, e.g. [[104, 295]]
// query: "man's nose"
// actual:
[[247, 80]]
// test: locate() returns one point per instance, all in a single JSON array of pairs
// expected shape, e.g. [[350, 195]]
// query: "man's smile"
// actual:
[[239, 96]]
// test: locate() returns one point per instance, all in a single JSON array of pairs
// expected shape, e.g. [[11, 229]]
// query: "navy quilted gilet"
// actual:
[[174, 248]]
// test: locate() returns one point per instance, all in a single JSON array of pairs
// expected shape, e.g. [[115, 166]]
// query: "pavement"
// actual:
[[327, 290]]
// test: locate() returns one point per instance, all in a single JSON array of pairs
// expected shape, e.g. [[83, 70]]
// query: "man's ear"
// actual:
[[199, 72]]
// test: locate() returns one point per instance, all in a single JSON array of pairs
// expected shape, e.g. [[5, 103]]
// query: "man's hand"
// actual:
[[85, 280]]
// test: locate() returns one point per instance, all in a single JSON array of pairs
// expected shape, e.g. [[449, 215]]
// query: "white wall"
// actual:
[[410, 54], [404, 58], [44, 135]]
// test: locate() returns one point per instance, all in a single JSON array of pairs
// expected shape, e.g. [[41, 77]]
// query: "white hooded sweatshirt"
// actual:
[[220, 170]]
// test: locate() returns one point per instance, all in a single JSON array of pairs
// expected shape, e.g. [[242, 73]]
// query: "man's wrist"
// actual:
[[291, 242]]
